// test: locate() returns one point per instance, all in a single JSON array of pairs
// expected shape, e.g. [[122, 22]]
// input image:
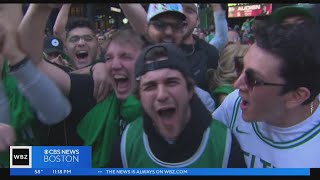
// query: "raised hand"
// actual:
[[101, 83], [7, 137], [10, 18], [49, 5]]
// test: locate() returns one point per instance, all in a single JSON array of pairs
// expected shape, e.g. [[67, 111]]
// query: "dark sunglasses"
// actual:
[[162, 26], [251, 80]]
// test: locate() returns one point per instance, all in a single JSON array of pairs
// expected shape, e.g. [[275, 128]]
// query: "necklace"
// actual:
[[193, 49], [311, 108]]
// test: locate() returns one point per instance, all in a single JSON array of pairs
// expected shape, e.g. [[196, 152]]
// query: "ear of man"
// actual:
[[297, 97]]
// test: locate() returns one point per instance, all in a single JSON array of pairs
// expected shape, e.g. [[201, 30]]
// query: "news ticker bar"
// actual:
[[160, 172]]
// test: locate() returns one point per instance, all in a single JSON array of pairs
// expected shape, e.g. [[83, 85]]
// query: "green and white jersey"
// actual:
[[269, 146], [213, 151]]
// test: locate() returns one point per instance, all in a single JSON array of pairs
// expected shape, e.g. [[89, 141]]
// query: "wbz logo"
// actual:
[[20, 156]]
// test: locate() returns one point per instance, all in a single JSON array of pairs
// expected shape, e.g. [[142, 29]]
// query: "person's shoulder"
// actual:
[[218, 124], [232, 100], [81, 85], [219, 127], [84, 78], [202, 44], [234, 95]]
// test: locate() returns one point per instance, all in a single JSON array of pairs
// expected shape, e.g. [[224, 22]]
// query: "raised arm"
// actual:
[[31, 35], [4, 110], [220, 39], [61, 22], [136, 15], [7, 135], [47, 101], [31, 30]]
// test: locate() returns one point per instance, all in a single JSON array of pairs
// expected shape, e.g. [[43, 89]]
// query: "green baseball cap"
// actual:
[[301, 9]]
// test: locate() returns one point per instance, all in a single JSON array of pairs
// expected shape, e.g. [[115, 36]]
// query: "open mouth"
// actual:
[[167, 40], [244, 104], [121, 82], [82, 55], [166, 113]]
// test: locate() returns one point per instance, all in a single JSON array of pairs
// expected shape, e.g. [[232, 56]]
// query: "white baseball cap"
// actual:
[[156, 9]]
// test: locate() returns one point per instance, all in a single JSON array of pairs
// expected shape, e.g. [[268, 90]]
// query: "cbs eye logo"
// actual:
[[20, 157]]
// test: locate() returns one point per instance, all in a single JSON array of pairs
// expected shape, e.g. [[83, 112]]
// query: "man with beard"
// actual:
[[201, 56]]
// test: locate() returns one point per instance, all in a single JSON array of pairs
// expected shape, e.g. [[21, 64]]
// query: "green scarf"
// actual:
[[100, 126], [21, 113]]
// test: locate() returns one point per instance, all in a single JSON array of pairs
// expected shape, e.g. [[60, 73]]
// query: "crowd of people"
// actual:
[[159, 94]]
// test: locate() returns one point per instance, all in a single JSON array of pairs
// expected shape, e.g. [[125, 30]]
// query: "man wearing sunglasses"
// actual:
[[201, 56], [166, 23], [53, 51], [274, 113]]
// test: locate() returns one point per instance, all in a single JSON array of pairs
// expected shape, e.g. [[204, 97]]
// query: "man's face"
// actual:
[[233, 36], [81, 46], [202, 35], [165, 98], [264, 102], [101, 40], [120, 64], [192, 20], [196, 31], [166, 28], [52, 55], [294, 20]]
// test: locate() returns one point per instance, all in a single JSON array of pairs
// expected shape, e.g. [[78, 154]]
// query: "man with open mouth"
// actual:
[[274, 113], [169, 23], [176, 129]]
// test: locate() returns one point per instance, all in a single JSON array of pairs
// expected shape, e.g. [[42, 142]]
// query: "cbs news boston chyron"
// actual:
[[76, 161]]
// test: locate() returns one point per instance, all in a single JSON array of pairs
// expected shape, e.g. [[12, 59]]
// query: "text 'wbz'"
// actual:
[[147, 172], [61, 155]]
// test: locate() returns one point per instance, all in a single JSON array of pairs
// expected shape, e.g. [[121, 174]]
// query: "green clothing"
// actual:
[[209, 37], [100, 126], [224, 89], [21, 114], [211, 153]]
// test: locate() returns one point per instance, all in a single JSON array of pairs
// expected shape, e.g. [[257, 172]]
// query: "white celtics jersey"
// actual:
[[269, 146]]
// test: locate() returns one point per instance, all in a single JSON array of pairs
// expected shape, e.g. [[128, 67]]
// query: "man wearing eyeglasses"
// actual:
[[274, 113], [81, 44]]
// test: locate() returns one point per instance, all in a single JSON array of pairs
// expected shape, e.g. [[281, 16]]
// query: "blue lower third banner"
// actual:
[[77, 161], [159, 172], [50, 157]]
